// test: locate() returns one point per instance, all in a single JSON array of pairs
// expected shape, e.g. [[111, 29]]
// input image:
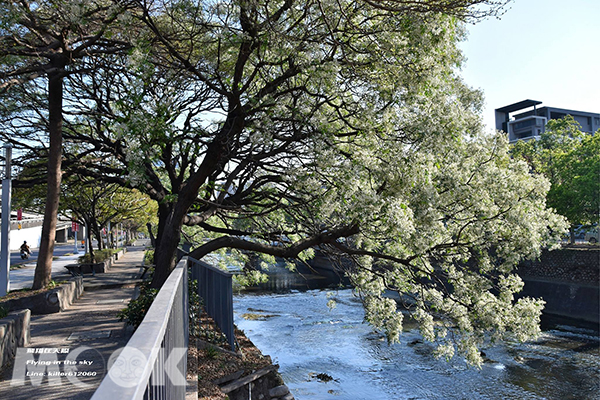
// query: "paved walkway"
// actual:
[[89, 330]]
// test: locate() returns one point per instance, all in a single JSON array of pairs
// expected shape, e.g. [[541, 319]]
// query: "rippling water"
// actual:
[[306, 338]]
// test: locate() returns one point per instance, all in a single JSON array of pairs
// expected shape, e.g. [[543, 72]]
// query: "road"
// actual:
[[21, 278], [60, 249]]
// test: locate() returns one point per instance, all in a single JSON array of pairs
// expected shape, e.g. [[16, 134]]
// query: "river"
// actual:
[[332, 354]]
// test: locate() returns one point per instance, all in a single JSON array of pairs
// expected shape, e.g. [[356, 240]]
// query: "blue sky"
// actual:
[[546, 50]]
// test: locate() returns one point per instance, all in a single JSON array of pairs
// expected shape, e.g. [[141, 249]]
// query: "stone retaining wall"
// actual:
[[264, 384], [568, 280], [50, 301], [14, 333], [578, 265]]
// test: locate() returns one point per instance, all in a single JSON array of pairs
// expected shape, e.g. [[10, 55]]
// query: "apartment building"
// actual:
[[525, 120]]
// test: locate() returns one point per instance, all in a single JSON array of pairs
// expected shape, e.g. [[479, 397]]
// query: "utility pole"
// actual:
[[5, 228]]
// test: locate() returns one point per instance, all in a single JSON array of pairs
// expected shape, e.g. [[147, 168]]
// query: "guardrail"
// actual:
[[215, 289], [153, 365]]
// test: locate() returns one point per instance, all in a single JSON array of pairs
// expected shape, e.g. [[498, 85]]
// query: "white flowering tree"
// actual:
[[278, 127]]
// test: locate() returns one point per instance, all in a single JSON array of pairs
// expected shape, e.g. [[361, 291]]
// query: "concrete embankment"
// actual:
[[568, 280]]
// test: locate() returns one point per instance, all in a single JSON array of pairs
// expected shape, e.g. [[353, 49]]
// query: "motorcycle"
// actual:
[[24, 254]]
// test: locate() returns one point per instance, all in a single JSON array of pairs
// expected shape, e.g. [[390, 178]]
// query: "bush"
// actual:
[[99, 256], [136, 310], [149, 257]]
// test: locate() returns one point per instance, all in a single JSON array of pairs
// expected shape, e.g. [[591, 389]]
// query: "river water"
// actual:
[[332, 354]]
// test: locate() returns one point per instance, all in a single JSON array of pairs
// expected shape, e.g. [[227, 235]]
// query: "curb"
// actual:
[[90, 287]]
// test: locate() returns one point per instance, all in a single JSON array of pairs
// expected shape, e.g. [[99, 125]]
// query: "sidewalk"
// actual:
[[89, 329]]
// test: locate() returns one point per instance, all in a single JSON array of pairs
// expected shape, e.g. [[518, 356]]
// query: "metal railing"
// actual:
[[153, 365], [216, 291]]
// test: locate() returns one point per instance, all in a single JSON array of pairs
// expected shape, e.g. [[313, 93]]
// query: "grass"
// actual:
[[211, 352]]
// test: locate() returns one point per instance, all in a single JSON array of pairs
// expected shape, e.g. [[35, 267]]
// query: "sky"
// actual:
[[545, 50]]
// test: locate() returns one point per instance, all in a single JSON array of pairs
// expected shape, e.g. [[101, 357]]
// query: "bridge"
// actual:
[[30, 229]]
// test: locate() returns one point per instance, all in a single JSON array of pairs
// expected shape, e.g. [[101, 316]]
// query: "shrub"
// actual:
[[136, 310], [149, 257], [99, 256]]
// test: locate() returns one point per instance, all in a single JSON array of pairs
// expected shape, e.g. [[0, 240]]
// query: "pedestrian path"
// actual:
[[81, 339]]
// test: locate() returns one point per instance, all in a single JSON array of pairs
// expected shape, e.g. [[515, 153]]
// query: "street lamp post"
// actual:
[[75, 228], [5, 228]]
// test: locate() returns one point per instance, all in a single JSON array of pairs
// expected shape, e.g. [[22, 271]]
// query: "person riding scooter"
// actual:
[[25, 251]]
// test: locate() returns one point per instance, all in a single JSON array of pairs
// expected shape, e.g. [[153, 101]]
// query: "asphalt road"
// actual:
[[22, 277], [60, 249]]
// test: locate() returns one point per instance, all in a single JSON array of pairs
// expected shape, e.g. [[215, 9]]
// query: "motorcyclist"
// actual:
[[25, 248]]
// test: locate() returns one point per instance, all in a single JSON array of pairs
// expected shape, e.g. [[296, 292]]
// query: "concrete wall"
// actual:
[[32, 235], [62, 235], [568, 280], [570, 300], [14, 333]]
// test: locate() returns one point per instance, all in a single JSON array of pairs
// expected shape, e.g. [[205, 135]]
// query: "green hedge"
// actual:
[[149, 257], [99, 256]]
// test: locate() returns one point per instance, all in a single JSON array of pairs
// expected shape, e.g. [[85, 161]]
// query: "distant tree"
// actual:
[[43, 41], [570, 159], [90, 202], [97, 204]]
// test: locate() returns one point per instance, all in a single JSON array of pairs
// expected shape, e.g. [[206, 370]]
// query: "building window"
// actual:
[[524, 124], [523, 135], [556, 115]]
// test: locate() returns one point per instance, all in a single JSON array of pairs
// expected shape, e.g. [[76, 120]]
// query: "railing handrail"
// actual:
[[216, 291], [210, 267], [147, 339]]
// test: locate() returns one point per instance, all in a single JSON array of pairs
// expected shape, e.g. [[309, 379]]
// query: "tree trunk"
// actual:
[[89, 242], [95, 229], [100, 239], [166, 247], [170, 216], [43, 268], [152, 239]]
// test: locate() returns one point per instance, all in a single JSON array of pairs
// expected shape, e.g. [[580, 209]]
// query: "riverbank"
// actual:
[[224, 374], [568, 279]]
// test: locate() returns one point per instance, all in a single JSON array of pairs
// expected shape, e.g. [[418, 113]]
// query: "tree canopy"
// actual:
[[42, 41], [278, 127], [570, 159]]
